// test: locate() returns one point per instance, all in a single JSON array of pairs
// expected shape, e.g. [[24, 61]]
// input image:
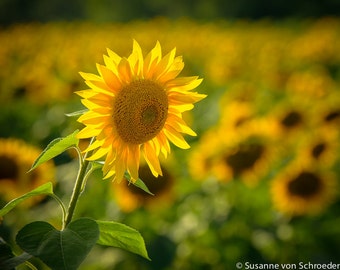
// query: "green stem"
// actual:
[[78, 187], [63, 209], [30, 265]]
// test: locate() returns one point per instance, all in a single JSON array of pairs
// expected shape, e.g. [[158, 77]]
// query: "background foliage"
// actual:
[[120, 10]]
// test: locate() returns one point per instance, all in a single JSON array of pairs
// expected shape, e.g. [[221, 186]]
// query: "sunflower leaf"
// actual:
[[115, 234], [7, 259], [138, 183], [44, 189], [55, 148], [76, 113], [65, 249]]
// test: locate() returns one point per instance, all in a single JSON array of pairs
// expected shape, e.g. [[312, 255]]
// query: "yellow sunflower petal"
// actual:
[[175, 137], [96, 107], [87, 132], [184, 98], [124, 70], [115, 58], [90, 76], [182, 107], [136, 60], [85, 93], [100, 86], [92, 119], [164, 64], [111, 64], [152, 159], [152, 60], [164, 144], [181, 81], [99, 153], [96, 144], [189, 86], [120, 165], [133, 161], [109, 77], [108, 167], [179, 125], [175, 68]]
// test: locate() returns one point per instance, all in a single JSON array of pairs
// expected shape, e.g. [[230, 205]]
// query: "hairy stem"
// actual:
[[78, 187]]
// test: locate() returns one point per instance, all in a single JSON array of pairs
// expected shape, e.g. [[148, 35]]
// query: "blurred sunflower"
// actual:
[[314, 82], [235, 115], [321, 146], [135, 106], [16, 158], [246, 160], [303, 188], [292, 114], [129, 197], [328, 112], [242, 155]]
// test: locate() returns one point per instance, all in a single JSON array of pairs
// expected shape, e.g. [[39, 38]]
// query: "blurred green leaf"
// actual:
[[62, 250], [77, 113], [7, 259], [55, 148], [44, 189], [119, 235], [139, 183]]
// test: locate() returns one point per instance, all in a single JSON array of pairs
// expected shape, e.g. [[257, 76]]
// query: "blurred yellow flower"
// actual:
[[129, 197], [135, 106], [320, 145], [235, 114], [246, 160], [303, 188], [16, 158], [328, 111], [243, 152]]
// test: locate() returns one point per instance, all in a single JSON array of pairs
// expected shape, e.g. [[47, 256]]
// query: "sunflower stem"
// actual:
[[78, 186]]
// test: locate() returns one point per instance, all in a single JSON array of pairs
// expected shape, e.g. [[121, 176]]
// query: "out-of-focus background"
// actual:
[[260, 183]]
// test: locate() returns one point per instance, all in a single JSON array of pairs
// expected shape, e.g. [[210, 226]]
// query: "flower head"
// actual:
[[16, 158], [303, 188], [135, 108]]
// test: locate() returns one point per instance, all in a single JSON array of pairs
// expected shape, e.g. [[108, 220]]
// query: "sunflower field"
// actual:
[[260, 182]]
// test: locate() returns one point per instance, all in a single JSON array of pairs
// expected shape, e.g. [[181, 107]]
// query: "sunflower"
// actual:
[[16, 158], [328, 113], [303, 188], [244, 154], [135, 109], [129, 197], [321, 146], [291, 116], [246, 159], [235, 115]]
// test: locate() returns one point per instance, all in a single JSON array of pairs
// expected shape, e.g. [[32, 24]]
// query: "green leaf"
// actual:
[[119, 235], [45, 189], [7, 260], [97, 164], [139, 183], [55, 148], [77, 113], [62, 250]]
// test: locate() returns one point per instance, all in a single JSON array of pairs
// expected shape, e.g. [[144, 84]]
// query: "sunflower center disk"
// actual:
[[305, 185], [139, 111], [8, 168]]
